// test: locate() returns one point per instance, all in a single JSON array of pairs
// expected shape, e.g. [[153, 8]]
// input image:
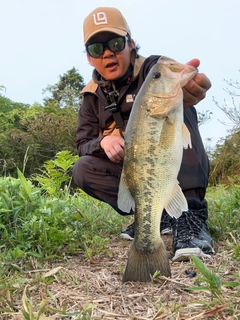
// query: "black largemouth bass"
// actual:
[[154, 140]]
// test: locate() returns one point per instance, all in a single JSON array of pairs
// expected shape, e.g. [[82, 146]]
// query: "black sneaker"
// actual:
[[165, 227], [166, 223], [128, 233], [190, 233]]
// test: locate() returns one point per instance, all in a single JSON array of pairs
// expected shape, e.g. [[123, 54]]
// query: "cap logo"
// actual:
[[100, 18]]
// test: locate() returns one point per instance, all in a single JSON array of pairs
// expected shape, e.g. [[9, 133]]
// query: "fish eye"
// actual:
[[156, 75]]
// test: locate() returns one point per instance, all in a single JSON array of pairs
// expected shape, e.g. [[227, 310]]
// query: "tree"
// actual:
[[67, 90], [225, 164], [204, 117], [7, 105], [31, 136], [233, 111]]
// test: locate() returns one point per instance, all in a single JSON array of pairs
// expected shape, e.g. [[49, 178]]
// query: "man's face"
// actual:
[[111, 65]]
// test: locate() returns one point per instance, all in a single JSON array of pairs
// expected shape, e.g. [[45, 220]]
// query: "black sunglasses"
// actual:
[[95, 50]]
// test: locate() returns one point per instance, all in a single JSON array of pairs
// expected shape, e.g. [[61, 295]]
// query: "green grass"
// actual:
[[37, 222], [224, 215]]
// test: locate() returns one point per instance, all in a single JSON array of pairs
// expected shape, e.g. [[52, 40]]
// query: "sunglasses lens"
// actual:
[[116, 44], [95, 50]]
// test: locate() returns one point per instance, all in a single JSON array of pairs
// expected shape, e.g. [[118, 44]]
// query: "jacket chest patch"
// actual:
[[130, 97]]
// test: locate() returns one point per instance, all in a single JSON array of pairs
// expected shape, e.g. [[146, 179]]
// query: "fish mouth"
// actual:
[[167, 104], [173, 95], [188, 73]]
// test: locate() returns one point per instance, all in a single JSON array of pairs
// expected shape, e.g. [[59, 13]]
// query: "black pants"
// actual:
[[100, 177]]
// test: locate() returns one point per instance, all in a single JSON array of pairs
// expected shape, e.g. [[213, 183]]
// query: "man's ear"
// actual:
[[133, 44], [89, 59]]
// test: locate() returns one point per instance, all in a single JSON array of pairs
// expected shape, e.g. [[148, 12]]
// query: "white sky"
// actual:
[[41, 39]]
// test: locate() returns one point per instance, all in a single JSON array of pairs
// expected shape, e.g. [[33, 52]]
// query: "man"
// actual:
[[118, 74]]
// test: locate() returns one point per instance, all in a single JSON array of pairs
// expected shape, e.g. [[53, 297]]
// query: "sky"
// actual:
[[42, 39]]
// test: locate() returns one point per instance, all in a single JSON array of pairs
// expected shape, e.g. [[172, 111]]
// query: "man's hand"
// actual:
[[195, 90], [113, 147]]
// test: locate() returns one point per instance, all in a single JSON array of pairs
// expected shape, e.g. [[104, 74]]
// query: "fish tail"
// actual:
[[142, 265]]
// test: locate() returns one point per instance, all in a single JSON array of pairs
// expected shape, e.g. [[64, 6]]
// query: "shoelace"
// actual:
[[166, 220], [188, 225], [130, 227]]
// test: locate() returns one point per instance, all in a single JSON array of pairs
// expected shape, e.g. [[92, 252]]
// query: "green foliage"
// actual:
[[225, 162], [224, 211], [52, 224], [67, 90], [41, 131], [212, 280], [56, 172], [6, 105]]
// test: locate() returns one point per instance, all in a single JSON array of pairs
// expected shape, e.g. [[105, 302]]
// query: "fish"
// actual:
[[155, 137]]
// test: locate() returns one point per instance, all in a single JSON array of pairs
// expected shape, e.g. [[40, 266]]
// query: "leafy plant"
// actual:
[[56, 173], [211, 279]]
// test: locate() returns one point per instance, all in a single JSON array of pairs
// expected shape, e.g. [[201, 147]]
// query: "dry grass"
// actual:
[[94, 289]]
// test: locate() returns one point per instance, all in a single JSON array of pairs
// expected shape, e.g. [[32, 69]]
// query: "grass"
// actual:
[[61, 258], [37, 222]]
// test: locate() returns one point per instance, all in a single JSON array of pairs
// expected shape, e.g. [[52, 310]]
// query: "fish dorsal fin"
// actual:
[[186, 137], [177, 202], [125, 200]]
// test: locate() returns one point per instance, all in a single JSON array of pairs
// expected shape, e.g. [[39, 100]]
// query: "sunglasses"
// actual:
[[95, 50]]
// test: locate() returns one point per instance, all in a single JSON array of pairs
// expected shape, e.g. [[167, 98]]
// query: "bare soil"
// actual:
[[93, 289]]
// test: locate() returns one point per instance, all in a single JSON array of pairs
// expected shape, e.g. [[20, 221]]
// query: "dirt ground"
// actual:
[[97, 284], [93, 289]]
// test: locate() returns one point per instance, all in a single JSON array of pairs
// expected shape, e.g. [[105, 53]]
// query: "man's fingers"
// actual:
[[194, 63]]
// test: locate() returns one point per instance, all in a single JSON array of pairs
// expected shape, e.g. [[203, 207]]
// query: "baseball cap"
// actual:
[[104, 19]]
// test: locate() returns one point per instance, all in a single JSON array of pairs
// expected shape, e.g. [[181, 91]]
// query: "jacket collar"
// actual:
[[91, 87]]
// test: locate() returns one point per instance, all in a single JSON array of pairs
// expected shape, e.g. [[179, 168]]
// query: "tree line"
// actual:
[[32, 134]]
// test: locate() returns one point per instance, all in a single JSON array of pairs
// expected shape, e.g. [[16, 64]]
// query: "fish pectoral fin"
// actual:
[[186, 137], [177, 202], [125, 200]]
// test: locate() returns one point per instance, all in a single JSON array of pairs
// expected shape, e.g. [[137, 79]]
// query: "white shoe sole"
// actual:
[[166, 231], [126, 236], [184, 254]]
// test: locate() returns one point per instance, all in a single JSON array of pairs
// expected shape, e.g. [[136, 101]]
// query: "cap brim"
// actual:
[[113, 30]]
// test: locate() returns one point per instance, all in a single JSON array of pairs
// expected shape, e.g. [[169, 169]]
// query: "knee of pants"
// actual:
[[86, 168], [79, 170]]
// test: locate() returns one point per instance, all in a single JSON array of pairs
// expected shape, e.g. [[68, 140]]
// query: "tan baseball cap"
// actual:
[[104, 19]]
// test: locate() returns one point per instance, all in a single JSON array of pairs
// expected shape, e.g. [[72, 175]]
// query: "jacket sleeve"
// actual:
[[88, 139]]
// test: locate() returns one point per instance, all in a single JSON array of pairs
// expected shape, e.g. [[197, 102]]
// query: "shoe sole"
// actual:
[[184, 254], [126, 236], [166, 231]]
